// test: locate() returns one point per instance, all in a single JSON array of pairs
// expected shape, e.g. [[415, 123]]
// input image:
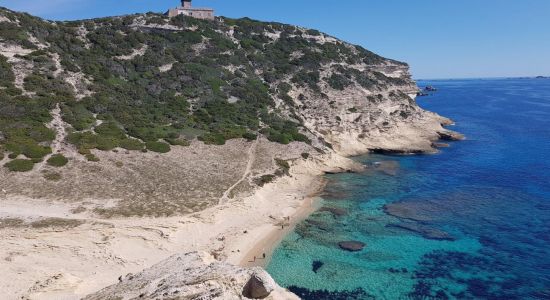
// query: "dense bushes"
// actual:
[[132, 144], [158, 147], [57, 160], [20, 165], [141, 105], [338, 81]]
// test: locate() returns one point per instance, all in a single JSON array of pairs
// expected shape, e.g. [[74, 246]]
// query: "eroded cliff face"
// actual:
[[356, 120]]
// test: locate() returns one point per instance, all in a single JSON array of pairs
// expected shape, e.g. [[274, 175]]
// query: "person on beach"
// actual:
[[264, 255]]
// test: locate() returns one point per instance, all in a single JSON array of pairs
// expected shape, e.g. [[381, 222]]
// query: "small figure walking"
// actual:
[[263, 255], [254, 258]]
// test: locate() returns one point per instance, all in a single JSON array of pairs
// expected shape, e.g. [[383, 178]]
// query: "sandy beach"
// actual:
[[71, 262]]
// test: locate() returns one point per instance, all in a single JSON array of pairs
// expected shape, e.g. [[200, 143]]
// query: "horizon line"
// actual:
[[473, 78]]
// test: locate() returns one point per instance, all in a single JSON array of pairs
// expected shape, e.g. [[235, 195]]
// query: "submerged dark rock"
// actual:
[[307, 294], [424, 230], [352, 246], [316, 265], [389, 167], [338, 212], [407, 210]]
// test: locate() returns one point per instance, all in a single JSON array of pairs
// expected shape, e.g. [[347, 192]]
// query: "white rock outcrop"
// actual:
[[194, 276]]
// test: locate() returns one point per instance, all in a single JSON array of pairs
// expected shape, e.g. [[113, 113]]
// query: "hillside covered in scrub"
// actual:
[[147, 82], [138, 112]]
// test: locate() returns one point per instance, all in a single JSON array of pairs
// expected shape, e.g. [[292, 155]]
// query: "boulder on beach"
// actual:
[[352, 246]]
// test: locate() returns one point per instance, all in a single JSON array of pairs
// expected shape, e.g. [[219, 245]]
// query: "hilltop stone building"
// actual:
[[187, 10]]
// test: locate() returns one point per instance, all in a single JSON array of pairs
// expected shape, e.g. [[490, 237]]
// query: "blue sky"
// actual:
[[438, 38]]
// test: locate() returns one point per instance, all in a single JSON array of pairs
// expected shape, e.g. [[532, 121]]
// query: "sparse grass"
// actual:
[[57, 160], [20, 165], [56, 222], [264, 179], [52, 176], [283, 164], [11, 222], [91, 157], [79, 210]]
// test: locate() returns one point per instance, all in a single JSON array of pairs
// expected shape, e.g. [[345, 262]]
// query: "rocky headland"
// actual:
[[127, 141]]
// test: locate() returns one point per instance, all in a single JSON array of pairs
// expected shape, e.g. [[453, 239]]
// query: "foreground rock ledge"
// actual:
[[195, 276]]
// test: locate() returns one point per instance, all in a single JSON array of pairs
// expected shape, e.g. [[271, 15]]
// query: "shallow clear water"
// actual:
[[472, 222]]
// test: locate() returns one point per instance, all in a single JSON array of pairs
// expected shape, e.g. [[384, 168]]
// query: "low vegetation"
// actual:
[[20, 165], [158, 147], [132, 104], [57, 160]]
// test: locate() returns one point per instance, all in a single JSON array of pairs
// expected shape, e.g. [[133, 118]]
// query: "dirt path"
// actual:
[[251, 158], [58, 125]]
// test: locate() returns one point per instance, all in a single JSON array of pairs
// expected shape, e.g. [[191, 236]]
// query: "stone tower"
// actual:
[[186, 9]]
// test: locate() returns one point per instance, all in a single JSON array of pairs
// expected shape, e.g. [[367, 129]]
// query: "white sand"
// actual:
[[70, 263]]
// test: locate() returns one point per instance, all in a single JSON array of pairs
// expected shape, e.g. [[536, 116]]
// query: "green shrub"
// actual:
[[110, 129], [250, 136], [338, 82], [106, 143], [131, 144], [27, 147], [213, 139], [57, 160], [84, 151], [305, 155], [20, 165], [158, 147]]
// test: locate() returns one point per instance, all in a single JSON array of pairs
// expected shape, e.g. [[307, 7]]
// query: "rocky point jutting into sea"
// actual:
[[127, 141]]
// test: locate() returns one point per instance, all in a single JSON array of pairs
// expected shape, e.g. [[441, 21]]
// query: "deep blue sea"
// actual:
[[472, 222]]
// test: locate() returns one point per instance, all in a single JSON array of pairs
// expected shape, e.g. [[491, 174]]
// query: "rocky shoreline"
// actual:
[[235, 281]]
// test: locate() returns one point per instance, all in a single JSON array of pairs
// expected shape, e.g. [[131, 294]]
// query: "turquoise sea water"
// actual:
[[472, 222]]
